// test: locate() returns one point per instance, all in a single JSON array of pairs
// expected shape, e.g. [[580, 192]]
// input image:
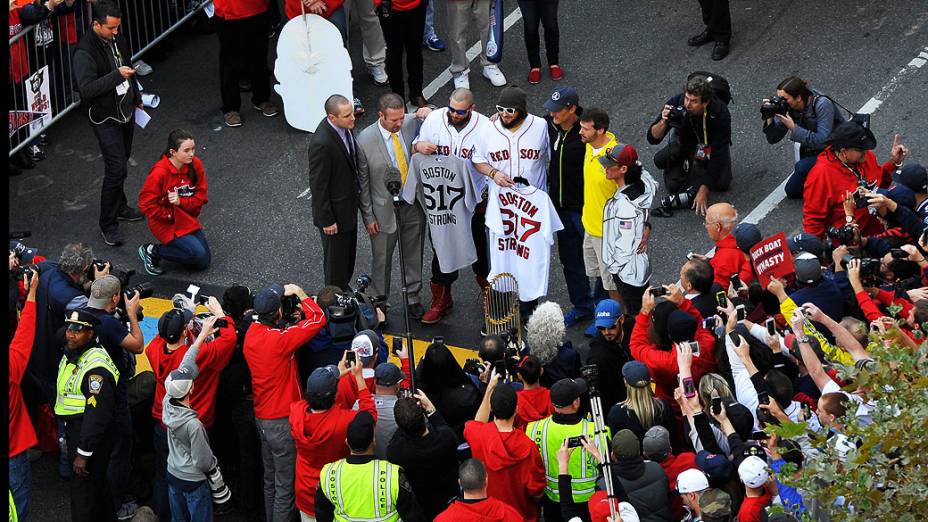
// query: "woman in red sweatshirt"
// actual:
[[172, 198]]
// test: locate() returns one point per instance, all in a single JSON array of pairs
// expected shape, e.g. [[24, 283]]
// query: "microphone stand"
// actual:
[[394, 189]]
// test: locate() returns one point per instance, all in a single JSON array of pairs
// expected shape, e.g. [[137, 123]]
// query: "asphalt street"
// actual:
[[626, 57]]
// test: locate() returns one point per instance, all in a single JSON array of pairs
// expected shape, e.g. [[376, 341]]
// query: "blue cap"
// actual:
[[746, 236], [716, 467], [268, 300], [913, 176], [805, 242], [608, 312], [323, 381], [562, 97]]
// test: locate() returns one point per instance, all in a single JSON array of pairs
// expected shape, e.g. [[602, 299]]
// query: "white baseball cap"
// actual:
[[753, 472], [692, 481]]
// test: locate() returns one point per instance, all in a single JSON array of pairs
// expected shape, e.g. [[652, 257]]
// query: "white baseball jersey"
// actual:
[[452, 142], [443, 186], [521, 153], [521, 224]]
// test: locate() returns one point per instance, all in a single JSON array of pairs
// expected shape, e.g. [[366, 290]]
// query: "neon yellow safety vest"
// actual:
[[362, 492], [13, 516], [583, 467], [71, 401]]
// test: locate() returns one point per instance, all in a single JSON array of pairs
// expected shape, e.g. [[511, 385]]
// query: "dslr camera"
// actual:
[[869, 268], [679, 199], [676, 117], [773, 106], [845, 235], [145, 289]]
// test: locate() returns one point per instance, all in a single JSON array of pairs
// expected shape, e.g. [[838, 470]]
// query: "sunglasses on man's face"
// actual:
[[459, 112], [505, 110]]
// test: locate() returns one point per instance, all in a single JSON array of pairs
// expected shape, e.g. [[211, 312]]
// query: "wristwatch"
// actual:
[[804, 339], [848, 219]]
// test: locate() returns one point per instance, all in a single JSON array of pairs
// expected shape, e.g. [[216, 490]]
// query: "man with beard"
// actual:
[[847, 165], [516, 144], [453, 131], [609, 350]]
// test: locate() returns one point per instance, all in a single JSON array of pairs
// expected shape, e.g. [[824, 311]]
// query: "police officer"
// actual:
[[549, 433], [86, 388], [344, 491]]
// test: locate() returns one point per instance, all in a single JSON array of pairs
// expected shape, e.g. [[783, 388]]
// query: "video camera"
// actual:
[[773, 106], [676, 117]]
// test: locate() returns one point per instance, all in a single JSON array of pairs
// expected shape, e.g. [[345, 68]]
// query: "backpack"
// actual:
[[720, 85]]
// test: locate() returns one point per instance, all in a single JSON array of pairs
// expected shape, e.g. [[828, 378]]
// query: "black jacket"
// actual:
[[333, 179], [430, 462], [647, 487], [609, 357], [565, 171], [96, 73]]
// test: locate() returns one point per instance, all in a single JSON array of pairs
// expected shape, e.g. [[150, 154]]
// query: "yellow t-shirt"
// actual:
[[596, 188]]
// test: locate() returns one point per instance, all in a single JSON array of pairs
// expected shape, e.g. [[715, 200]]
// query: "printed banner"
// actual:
[[19, 119], [772, 258], [39, 100]]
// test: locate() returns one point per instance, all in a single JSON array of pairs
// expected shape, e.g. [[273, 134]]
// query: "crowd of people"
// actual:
[[281, 405]]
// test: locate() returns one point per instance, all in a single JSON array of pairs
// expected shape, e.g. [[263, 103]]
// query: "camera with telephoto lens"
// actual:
[[773, 106], [217, 486], [869, 268], [846, 235], [473, 367], [678, 199], [676, 117]]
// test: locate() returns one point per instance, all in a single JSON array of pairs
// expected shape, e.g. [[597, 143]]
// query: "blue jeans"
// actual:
[[20, 480], [190, 506], [340, 20], [570, 252], [797, 180], [429, 31], [189, 250]]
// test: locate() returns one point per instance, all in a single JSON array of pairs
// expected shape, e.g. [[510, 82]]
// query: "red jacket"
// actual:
[[211, 359], [486, 510], [292, 8], [165, 220], [22, 434], [320, 439], [19, 60], [673, 465], [533, 405], [663, 364], [269, 353], [237, 9], [729, 260], [752, 506], [828, 182], [515, 472]]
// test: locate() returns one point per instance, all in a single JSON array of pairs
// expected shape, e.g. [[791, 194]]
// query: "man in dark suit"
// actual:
[[333, 177]]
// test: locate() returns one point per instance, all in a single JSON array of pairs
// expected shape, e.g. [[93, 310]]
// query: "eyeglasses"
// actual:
[[459, 112], [505, 110]]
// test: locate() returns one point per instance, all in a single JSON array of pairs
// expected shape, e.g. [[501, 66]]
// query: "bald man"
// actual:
[[728, 260]]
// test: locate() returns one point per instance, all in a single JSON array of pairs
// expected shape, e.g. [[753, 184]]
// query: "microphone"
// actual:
[[393, 180]]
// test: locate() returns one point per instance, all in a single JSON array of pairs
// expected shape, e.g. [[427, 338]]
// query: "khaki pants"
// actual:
[[462, 15], [593, 261], [374, 48]]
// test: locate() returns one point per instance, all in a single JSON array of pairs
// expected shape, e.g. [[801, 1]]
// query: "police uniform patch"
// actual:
[[95, 384], [92, 402]]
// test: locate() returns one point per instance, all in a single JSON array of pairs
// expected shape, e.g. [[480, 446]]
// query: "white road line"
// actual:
[[774, 198], [472, 53], [304, 193]]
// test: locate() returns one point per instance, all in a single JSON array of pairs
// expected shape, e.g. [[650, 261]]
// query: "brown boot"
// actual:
[[441, 304]]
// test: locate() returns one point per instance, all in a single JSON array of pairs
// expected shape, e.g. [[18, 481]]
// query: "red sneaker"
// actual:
[[556, 72], [534, 76]]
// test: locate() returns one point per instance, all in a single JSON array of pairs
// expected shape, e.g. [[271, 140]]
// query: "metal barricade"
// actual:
[[42, 90]]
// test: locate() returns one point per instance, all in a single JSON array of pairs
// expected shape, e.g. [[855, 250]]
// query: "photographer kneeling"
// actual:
[[808, 116], [698, 158]]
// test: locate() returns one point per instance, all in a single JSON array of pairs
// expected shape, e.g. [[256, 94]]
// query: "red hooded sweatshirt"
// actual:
[[663, 364], [828, 182], [674, 465], [729, 260], [533, 405], [320, 439], [515, 472], [486, 510], [166, 220], [22, 434], [270, 354], [292, 8], [211, 359], [238, 9]]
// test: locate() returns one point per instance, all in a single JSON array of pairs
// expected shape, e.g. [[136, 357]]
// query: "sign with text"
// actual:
[[38, 100], [772, 258]]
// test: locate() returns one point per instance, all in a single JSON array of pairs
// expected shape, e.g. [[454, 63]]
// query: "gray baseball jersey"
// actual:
[[444, 188]]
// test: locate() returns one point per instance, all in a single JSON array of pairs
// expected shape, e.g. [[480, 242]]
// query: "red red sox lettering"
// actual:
[[527, 154], [518, 226]]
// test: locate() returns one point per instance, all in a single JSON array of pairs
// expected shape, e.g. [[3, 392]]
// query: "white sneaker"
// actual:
[[492, 73], [462, 80], [380, 76]]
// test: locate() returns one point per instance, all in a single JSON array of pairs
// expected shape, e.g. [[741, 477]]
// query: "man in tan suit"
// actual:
[[386, 144]]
